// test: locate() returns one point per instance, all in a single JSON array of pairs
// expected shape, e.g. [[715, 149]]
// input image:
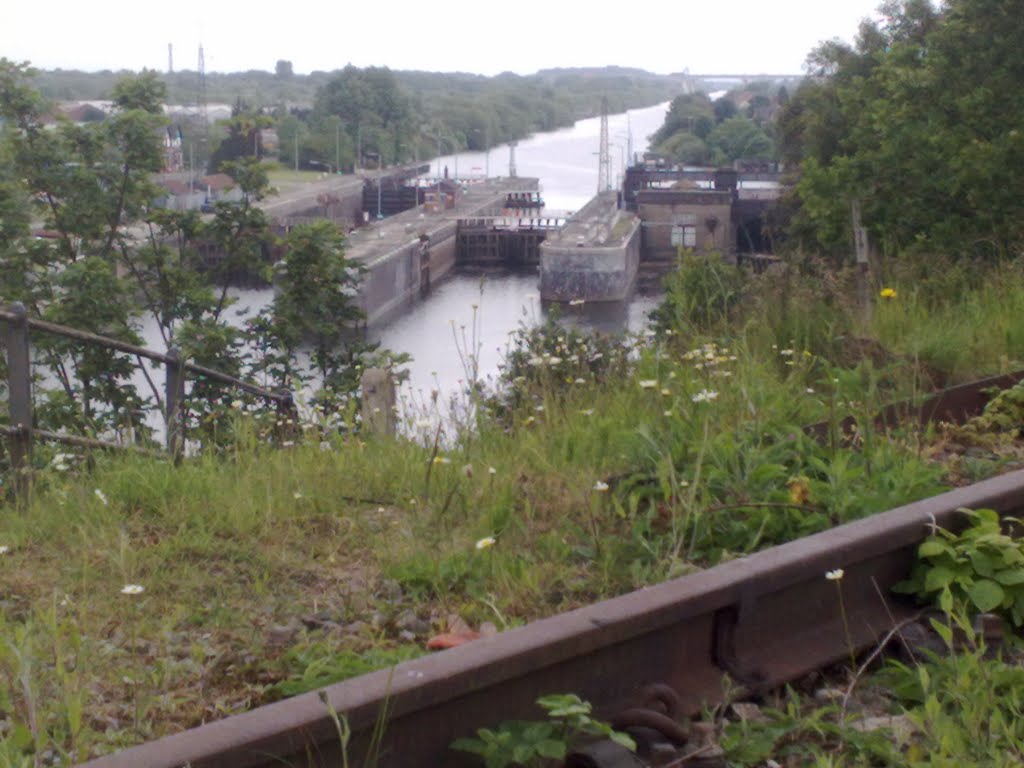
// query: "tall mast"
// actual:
[[604, 160]]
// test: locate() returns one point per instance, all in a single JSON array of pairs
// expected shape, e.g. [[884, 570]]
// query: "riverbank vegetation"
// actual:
[[110, 259], [138, 597], [354, 117], [142, 597], [737, 126]]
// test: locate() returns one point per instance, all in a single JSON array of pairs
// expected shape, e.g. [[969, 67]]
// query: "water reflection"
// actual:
[[471, 318]]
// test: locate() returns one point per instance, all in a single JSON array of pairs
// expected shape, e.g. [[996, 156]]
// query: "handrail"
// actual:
[[159, 357], [14, 332], [78, 441], [93, 338], [282, 398]]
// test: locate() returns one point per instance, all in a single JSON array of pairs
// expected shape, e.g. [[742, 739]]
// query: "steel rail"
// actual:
[[80, 442], [157, 357], [761, 621], [954, 405]]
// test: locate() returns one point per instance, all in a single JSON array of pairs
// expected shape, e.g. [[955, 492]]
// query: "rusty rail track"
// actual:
[[760, 621], [763, 620]]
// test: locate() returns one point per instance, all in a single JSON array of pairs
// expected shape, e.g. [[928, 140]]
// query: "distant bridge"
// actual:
[[748, 77], [691, 82]]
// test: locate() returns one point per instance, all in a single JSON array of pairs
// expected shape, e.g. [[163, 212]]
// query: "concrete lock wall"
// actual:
[[590, 273], [390, 281], [402, 275]]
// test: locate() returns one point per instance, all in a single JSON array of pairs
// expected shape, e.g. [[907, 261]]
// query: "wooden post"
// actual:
[[287, 417], [862, 247], [19, 381], [378, 402], [174, 394]]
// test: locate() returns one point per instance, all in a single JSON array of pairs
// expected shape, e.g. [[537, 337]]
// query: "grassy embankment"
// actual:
[[138, 598]]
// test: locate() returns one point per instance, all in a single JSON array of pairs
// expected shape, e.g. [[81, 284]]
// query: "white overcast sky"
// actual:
[[487, 37]]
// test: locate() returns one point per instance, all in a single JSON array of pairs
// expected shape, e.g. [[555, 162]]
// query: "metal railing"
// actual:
[[15, 327]]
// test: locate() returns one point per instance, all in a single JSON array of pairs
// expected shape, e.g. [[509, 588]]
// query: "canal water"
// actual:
[[467, 318], [473, 315]]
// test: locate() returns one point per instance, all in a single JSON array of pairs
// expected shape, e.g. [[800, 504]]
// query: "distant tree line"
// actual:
[[328, 119], [737, 126]]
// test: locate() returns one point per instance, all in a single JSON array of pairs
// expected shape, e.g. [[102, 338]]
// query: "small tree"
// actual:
[[89, 184], [315, 310], [243, 137]]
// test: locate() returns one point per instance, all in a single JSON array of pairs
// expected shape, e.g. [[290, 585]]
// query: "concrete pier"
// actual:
[[595, 257], [406, 253], [342, 199]]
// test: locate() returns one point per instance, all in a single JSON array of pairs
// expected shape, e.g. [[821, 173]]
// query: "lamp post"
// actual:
[[455, 157], [622, 160], [437, 200], [380, 178], [629, 145], [451, 143], [337, 145], [487, 150]]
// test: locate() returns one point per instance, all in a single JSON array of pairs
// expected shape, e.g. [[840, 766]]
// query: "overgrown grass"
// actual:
[[285, 175], [961, 332], [268, 572]]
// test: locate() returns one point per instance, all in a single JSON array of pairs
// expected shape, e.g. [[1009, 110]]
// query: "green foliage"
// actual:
[[554, 357], [682, 116], [115, 257], [534, 744], [981, 566], [724, 109], [699, 132], [921, 90], [402, 114], [739, 138], [317, 664], [315, 311], [395, 114], [242, 140], [685, 148], [1002, 418], [700, 294], [960, 708], [315, 297], [965, 705], [87, 185], [803, 735]]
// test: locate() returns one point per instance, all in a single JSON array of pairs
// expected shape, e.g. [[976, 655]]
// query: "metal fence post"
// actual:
[[19, 380], [174, 394]]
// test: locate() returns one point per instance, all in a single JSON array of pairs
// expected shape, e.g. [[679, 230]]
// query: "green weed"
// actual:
[[533, 744]]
